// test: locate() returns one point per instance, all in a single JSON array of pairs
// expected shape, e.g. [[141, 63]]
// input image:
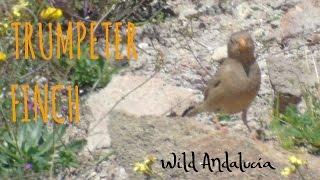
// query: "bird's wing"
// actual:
[[212, 83], [217, 79]]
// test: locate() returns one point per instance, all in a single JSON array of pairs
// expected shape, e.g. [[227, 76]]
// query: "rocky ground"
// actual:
[[187, 48]]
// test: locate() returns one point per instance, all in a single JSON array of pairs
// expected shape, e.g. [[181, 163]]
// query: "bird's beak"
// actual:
[[243, 45]]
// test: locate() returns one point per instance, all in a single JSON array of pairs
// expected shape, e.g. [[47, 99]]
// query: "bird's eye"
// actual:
[[232, 41]]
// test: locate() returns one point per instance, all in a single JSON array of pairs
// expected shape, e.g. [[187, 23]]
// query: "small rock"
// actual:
[[314, 39], [275, 24], [303, 18], [225, 7], [202, 25], [276, 4], [243, 10], [219, 53], [284, 81], [258, 33], [143, 45], [197, 81], [41, 81], [93, 175], [121, 174]]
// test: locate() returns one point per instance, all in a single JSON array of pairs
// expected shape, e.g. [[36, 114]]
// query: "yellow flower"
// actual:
[[3, 56], [300, 162], [3, 27], [16, 8], [150, 160], [51, 13], [295, 161], [145, 167], [142, 168], [16, 11], [285, 172], [288, 170]]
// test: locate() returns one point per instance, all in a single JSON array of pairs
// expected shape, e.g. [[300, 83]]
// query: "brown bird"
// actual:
[[235, 84]]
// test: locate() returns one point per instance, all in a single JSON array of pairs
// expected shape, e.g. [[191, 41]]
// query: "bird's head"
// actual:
[[241, 47]]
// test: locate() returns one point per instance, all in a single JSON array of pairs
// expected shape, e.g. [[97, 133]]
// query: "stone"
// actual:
[[303, 18], [243, 10], [276, 4], [219, 53], [121, 174], [153, 98], [285, 82], [143, 45], [135, 138]]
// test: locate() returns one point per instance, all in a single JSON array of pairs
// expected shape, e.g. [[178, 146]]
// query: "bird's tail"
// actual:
[[192, 111], [187, 111]]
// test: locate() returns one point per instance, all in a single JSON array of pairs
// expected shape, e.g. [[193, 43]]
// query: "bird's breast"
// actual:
[[240, 89]]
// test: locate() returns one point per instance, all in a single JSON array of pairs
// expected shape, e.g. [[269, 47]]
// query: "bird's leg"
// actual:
[[244, 118]]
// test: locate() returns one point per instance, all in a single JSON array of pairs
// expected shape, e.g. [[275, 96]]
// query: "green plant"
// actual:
[[224, 117], [295, 128], [28, 148], [88, 73], [85, 72]]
